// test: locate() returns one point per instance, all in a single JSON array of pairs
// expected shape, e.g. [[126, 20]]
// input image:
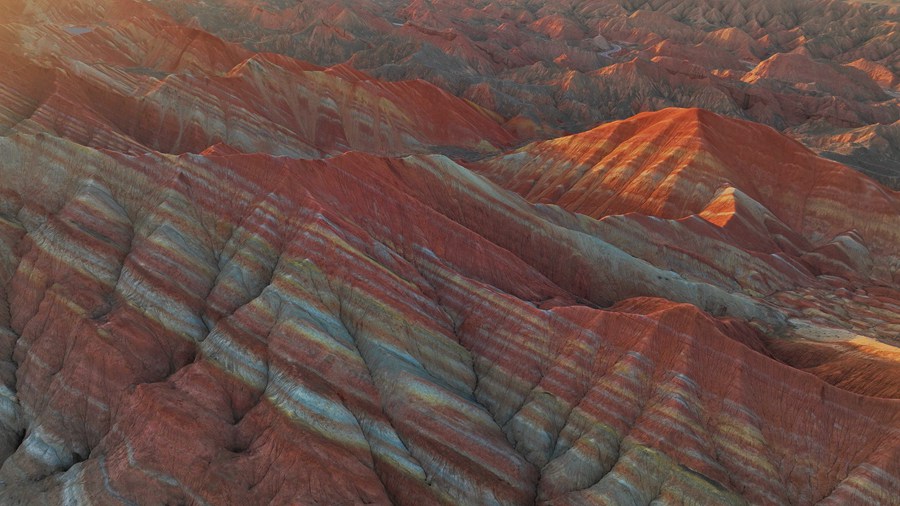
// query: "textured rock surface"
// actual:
[[688, 191], [647, 312], [204, 327], [144, 82], [813, 68]]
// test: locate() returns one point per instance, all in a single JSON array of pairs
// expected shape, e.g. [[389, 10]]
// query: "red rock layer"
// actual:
[[127, 85], [231, 326], [689, 191], [200, 329], [812, 68], [680, 162]]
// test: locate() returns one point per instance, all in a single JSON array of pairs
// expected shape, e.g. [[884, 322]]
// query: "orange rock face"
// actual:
[[689, 191], [229, 277], [811, 68]]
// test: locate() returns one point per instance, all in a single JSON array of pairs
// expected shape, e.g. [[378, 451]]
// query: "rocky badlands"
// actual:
[[449, 252]]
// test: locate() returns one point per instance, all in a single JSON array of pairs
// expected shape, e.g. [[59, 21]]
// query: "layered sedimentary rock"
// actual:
[[814, 68], [206, 298], [203, 328], [144, 82], [678, 162], [690, 192]]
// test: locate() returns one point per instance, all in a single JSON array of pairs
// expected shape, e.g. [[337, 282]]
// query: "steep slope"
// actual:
[[147, 82], [815, 67], [229, 277], [691, 192], [673, 163], [227, 319]]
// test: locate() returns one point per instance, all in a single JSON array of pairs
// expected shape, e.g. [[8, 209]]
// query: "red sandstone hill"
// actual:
[[229, 277], [678, 162], [815, 69], [692, 192], [147, 83], [199, 329]]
